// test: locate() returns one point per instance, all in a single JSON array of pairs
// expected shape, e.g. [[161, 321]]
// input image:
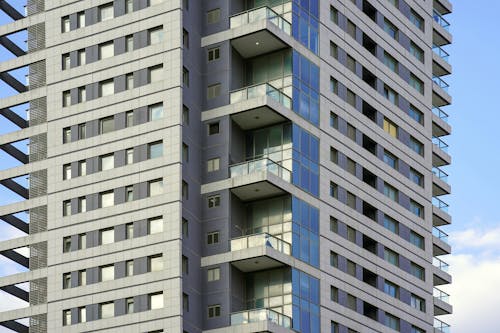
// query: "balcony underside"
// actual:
[[440, 127], [440, 247], [439, 187], [440, 217], [441, 308], [440, 157], [439, 96], [258, 190], [261, 326], [257, 43], [440, 277], [257, 118]]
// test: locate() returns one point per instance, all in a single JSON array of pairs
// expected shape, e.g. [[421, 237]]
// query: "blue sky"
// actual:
[[475, 232]]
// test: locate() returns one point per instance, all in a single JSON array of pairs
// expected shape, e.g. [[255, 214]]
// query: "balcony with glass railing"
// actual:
[[441, 327], [440, 264], [263, 239], [259, 165], [441, 83], [440, 234], [258, 14], [441, 52], [441, 21], [259, 90], [440, 174], [440, 204], [440, 113], [440, 144], [441, 295], [260, 315]]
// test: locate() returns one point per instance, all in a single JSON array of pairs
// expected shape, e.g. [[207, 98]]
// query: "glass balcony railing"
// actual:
[[440, 264], [441, 327], [441, 21], [441, 83], [440, 143], [441, 52], [263, 164], [269, 302], [257, 315], [440, 204], [440, 234], [263, 239], [262, 13], [440, 174], [441, 295], [264, 89], [440, 113]]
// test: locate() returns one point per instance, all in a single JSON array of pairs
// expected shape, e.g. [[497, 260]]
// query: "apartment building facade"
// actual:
[[225, 165]]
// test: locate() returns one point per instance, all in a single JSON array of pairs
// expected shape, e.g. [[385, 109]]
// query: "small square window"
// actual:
[[107, 199], [155, 187], [213, 16], [213, 238], [214, 311], [156, 35], [213, 54], [106, 50], [213, 201], [107, 273], [106, 125], [106, 310], [107, 162], [155, 111], [213, 91], [213, 164], [155, 73], [156, 301], [155, 149], [106, 88], [213, 274], [106, 12], [107, 236], [155, 225], [155, 263]]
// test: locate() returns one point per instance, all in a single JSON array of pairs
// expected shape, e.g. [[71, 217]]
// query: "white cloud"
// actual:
[[476, 238]]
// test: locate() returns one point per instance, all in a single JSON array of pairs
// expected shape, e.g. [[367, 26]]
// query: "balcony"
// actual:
[[441, 83], [440, 174], [260, 315], [440, 126], [440, 154], [440, 245], [440, 264], [440, 61], [441, 303], [440, 272], [441, 20], [441, 30], [259, 14], [440, 204], [441, 52], [440, 185], [441, 327]]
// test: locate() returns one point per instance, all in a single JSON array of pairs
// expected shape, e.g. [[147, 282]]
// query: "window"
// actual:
[[416, 83], [213, 91], [155, 2], [82, 241], [185, 190], [185, 265], [213, 54], [155, 74], [107, 199], [185, 115], [417, 52], [106, 50], [213, 201], [213, 128], [66, 280], [334, 327], [129, 193], [390, 62], [417, 240], [392, 321], [391, 289], [395, 3], [417, 271], [334, 120], [66, 317], [185, 38], [82, 168], [351, 64], [155, 187], [185, 76], [351, 98], [391, 224], [155, 225], [129, 81], [107, 162], [66, 62], [66, 207], [417, 20], [129, 118], [416, 146], [334, 259], [334, 50], [351, 302], [65, 24], [155, 263], [213, 238], [390, 160], [106, 12], [334, 15], [106, 125], [185, 152], [416, 177], [213, 311], [155, 149], [156, 301], [82, 205], [391, 192], [351, 132], [416, 208], [107, 273], [417, 302], [390, 29], [213, 16], [80, 19], [213, 164], [82, 131], [82, 277], [106, 310], [185, 4], [391, 95], [351, 29], [334, 224], [129, 266], [334, 190], [390, 128], [67, 244], [334, 294], [66, 171], [129, 305], [106, 88], [416, 114], [391, 257], [155, 111], [334, 85], [415, 329], [213, 274], [82, 314], [351, 234], [129, 43], [185, 228], [334, 155], [129, 156], [156, 35], [351, 268], [129, 6], [66, 98], [82, 59]]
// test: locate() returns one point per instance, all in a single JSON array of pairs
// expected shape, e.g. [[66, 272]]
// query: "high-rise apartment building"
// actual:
[[224, 165]]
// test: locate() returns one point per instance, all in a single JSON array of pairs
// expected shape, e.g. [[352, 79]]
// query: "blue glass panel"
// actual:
[[315, 324], [314, 8], [304, 286], [303, 31], [295, 26], [295, 282], [314, 250], [296, 317], [304, 4], [295, 243], [304, 105], [314, 149], [314, 213], [304, 70], [315, 79], [296, 172], [304, 214], [304, 143], [314, 284], [315, 184], [305, 319], [304, 247]]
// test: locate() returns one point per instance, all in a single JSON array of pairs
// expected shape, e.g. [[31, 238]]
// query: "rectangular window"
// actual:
[[155, 149], [156, 35], [416, 146], [334, 85], [82, 94], [155, 73], [156, 301], [155, 187], [185, 153], [66, 317], [66, 280], [66, 207], [185, 265], [106, 12], [66, 171], [185, 190], [351, 29], [213, 311], [391, 192], [80, 19], [129, 266], [82, 277], [155, 263], [390, 160], [107, 199], [66, 98], [351, 98], [351, 132], [129, 43], [65, 24], [417, 240], [391, 289], [82, 205], [213, 201], [417, 302], [107, 236], [334, 224], [391, 224], [82, 241], [82, 131], [351, 166], [129, 193], [334, 259], [106, 50], [155, 225], [129, 118], [390, 128], [390, 29], [351, 234], [155, 111], [334, 294], [334, 190], [82, 168], [66, 62], [213, 274], [417, 52], [185, 228], [213, 164], [416, 177], [415, 329], [213, 54], [351, 268], [213, 238], [106, 88], [417, 20], [395, 3], [185, 115], [82, 314], [185, 77], [392, 321], [185, 302], [417, 271], [106, 125], [213, 91], [129, 303], [390, 62], [213, 16], [334, 15], [416, 114], [213, 128], [334, 327], [334, 50], [67, 244], [129, 156], [106, 310], [351, 64], [351, 200], [334, 155], [107, 162], [391, 95], [82, 59], [107, 273], [129, 81], [334, 120], [351, 302], [129, 6], [185, 38], [391, 257], [416, 83]]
